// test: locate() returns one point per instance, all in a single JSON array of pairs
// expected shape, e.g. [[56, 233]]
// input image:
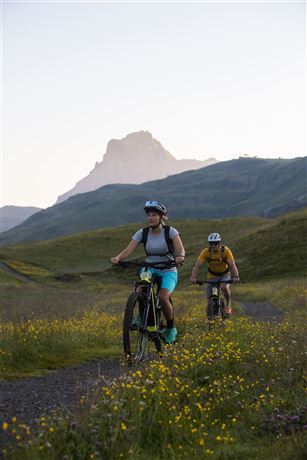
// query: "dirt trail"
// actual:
[[15, 273], [31, 398], [262, 311]]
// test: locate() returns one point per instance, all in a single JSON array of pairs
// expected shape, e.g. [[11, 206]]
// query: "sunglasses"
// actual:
[[214, 243]]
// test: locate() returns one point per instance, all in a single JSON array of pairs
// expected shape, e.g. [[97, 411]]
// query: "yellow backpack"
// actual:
[[222, 258]]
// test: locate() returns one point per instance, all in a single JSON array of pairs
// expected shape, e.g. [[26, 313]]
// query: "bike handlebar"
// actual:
[[161, 265], [200, 283]]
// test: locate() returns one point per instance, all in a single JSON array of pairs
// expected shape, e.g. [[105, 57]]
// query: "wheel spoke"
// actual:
[[134, 340]]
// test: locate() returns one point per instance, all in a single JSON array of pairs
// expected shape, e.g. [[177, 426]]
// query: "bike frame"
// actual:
[[216, 297], [152, 301], [149, 311]]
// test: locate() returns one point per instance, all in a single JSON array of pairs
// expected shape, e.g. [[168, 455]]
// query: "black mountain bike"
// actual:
[[216, 304], [142, 319]]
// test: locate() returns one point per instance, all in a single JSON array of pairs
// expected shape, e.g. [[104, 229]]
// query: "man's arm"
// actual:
[[195, 271], [234, 270]]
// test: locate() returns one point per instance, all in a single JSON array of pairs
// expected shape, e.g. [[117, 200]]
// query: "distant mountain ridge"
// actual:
[[135, 159], [10, 216], [243, 187]]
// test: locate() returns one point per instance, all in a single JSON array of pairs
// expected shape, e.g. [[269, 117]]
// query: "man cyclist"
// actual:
[[162, 244], [220, 264]]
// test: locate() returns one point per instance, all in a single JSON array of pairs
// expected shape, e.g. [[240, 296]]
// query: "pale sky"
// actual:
[[207, 79]]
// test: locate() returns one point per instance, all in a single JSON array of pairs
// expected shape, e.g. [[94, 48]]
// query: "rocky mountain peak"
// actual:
[[134, 145], [135, 159]]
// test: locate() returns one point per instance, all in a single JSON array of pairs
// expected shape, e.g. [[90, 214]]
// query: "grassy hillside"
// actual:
[[14, 215], [276, 251], [75, 271], [91, 251], [243, 187], [68, 275], [262, 247]]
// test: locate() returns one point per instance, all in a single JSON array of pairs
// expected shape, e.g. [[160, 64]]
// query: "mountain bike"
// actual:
[[216, 304], [142, 319]]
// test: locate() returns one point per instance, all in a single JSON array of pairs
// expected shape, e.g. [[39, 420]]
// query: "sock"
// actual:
[[170, 323]]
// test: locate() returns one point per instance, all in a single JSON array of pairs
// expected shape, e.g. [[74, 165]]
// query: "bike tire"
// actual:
[[222, 309], [134, 340], [210, 313], [160, 324]]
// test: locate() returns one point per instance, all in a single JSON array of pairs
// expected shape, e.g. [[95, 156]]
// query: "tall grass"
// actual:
[[289, 295], [32, 347], [235, 393]]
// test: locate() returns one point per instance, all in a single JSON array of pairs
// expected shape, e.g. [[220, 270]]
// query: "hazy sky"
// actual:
[[205, 78]]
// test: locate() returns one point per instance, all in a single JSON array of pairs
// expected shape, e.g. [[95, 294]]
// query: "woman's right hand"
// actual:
[[115, 260]]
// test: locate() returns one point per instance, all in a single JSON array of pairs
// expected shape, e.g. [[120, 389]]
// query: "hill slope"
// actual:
[[246, 187], [262, 247], [75, 271], [15, 215]]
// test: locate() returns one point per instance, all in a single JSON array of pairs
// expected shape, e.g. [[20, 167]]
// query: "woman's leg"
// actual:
[[167, 307]]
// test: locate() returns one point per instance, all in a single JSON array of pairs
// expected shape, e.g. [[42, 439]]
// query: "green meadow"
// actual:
[[234, 393]]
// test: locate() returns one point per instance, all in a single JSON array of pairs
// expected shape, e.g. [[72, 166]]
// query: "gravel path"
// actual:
[[262, 311], [15, 273], [31, 398]]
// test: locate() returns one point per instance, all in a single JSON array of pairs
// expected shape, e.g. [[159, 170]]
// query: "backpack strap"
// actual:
[[168, 240], [223, 258], [145, 232]]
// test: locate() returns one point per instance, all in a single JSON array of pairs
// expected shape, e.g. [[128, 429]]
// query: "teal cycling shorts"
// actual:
[[169, 279]]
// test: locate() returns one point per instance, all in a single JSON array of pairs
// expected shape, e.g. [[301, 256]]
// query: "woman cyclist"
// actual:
[[157, 244]]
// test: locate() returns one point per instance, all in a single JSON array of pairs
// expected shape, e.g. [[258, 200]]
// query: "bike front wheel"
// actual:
[[222, 307], [211, 313], [134, 339]]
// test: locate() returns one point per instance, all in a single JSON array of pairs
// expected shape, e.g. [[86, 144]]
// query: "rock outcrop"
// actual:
[[135, 159]]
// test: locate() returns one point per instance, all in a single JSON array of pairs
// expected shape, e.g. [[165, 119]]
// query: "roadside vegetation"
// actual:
[[235, 393]]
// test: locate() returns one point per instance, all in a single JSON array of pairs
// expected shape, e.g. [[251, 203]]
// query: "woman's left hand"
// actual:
[[179, 260]]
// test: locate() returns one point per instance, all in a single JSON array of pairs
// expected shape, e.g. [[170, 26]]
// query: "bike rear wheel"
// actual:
[[134, 339], [160, 325]]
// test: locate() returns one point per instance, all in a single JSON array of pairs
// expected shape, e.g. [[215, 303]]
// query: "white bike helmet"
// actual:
[[214, 238], [156, 207]]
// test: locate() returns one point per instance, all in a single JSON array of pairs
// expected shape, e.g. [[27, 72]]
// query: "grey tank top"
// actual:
[[156, 244]]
